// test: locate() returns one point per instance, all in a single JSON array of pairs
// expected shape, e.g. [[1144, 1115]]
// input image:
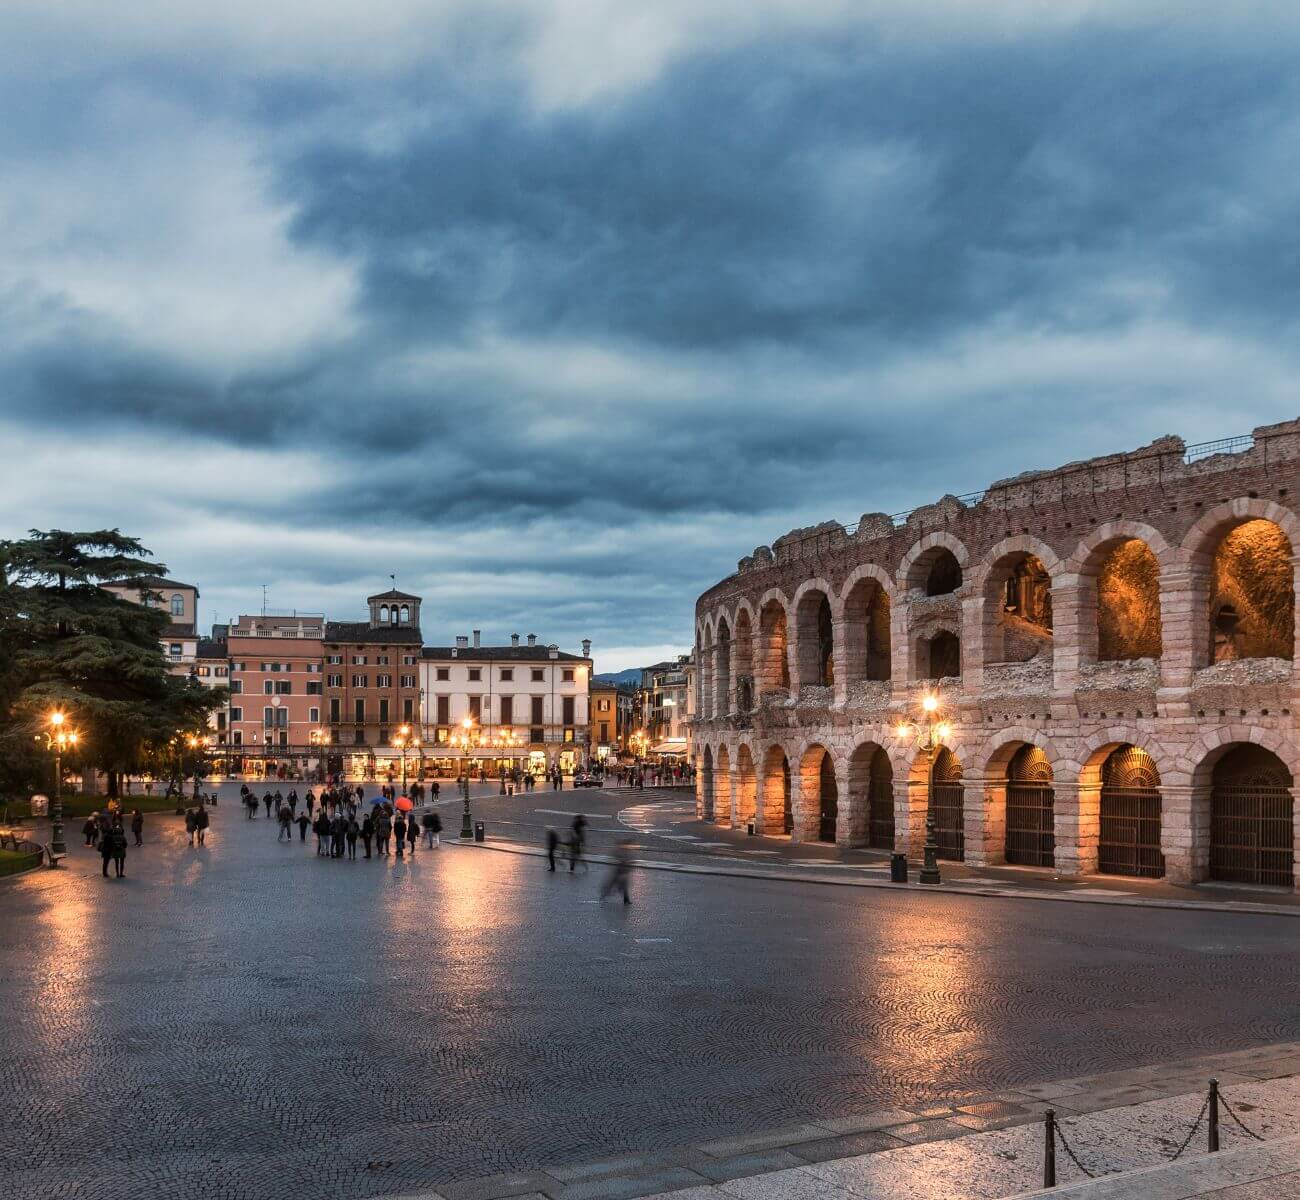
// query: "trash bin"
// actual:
[[898, 868], [479, 835], [749, 828]]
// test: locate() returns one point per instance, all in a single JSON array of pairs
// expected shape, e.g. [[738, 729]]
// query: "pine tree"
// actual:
[[67, 643]]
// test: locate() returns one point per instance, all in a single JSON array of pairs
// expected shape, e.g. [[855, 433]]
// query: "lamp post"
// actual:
[[192, 740], [58, 738], [927, 742], [466, 738], [401, 741]]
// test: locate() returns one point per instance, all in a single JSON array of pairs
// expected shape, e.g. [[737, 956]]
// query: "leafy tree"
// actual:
[[66, 642]]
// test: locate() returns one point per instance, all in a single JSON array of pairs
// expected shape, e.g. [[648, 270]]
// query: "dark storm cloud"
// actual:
[[593, 352]]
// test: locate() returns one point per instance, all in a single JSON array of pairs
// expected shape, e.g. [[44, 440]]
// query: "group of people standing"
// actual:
[[340, 820], [106, 832]]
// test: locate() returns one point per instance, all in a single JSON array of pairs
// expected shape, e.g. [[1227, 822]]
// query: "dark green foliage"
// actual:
[[66, 643]]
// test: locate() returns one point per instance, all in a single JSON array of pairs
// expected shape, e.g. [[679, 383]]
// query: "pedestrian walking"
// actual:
[[204, 820], [367, 832], [577, 835], [304, 823], [268, 800], [552, 844], [338, 827], [293, 803], [432, 829], [310, 801], [117, 836], [619, 872], [321, 828], [399, 833], [383, 830], [137, 826], [189, 824], [106, 848], [90, 830], [286, 819], [352, 830]]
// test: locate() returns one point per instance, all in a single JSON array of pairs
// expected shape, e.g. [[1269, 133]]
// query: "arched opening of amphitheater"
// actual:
[[746, 788], [778, 815], [866, 632], [1252, 594], [1251, 818], [722, 669], [1129, 815], [744, 654], [1028, 808], [815, 646], [706, 784], [945, 802], [1128, 603], [774, 664], [1018, 608], [722, 787], [819, 796], [871, 787], [942, 572]]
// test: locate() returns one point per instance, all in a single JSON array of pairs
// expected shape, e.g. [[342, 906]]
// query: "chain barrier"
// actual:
[[1191, 1133], [1210, 1107], [1074, 1158], [1240, 1123]]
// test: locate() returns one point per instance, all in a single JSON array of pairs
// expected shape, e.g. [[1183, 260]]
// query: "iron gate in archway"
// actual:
[[1031, 809], [949, 807], [1129, 837], [1251, 819]]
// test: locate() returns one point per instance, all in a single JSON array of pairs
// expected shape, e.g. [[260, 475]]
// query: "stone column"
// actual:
[[1074, 618], [1076, 821], [986, 821], [1199, 827], [1182, 598], [840, 630], [910, 802], [972, 643], [1177, 838]]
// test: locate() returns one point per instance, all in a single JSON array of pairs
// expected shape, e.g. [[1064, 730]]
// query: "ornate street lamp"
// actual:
[[400, 743], [928, 726], [58, 738], [465, 739]]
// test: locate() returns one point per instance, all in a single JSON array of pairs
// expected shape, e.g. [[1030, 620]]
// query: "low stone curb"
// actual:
[[718, 1160], [989, 891]]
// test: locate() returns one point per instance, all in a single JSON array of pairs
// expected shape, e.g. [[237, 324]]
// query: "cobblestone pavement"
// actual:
[[247, 1020]]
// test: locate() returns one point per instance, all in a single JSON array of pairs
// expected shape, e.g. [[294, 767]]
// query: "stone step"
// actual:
[[1268, 1169]]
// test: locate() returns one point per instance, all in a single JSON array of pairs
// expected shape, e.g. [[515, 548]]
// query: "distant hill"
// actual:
[[620, 678]]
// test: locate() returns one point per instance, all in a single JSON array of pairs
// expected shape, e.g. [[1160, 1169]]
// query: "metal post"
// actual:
[[1214, 1116], [466, 824], [57, 845], [1049, 1148], [930, 864]]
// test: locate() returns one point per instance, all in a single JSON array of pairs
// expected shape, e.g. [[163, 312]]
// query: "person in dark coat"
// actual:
[[268, 800], [352, 830], [399, 833], [203, 822], [137, 826], [322, 829], [310, 801], [90, 830], [304, 823], [619, 872], [577, 836], [552, 844], [383, 830], [337, 826], [367, 832], [285, 818], [106, 848], [189, 824]]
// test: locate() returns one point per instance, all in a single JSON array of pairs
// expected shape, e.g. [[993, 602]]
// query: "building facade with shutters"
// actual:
[[1110, 646], [180, 602], [526, 705]]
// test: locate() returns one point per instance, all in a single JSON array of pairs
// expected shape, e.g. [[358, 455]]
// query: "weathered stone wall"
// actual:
[[1109, 673]]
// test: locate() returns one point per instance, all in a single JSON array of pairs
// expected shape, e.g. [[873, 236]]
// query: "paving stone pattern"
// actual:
[[248, 1020]]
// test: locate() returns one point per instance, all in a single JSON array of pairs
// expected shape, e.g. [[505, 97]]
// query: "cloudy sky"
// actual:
[[556, 309]]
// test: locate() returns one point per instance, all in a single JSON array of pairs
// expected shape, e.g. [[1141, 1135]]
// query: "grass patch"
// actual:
[[82, 806], [13, 861]]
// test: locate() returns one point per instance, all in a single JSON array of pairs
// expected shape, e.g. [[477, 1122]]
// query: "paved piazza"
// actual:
[[247, 1020]]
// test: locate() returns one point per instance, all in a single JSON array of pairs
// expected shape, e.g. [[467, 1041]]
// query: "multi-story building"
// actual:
[[1088, 669], [605, 728], [180, 603], [212, 670], [499, 707], [277, 692], [666, 706], [372, 680]]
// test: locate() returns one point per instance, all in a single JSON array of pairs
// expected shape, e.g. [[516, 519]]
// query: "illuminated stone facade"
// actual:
[[1112, 644]]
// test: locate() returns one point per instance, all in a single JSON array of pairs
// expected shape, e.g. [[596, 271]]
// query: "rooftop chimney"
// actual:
[[476, 638], [532, 639], [554, 650], [514, 639], [586, 647], [462, 642]]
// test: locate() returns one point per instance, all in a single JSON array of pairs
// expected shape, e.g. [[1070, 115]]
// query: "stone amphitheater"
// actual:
[[1109, 649]]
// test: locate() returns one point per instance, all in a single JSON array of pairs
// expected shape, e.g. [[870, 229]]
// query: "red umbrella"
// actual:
[[404, 804]]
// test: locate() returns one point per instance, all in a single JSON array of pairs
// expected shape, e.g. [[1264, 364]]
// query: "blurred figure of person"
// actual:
[[268, 800], [285, 818], [552, 844], [367, 832], [351, 833], [577, 835], [203, 821], [137, 826], [304, 823], [432, 829], [619, 872], [399, 833], [90, 830]]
